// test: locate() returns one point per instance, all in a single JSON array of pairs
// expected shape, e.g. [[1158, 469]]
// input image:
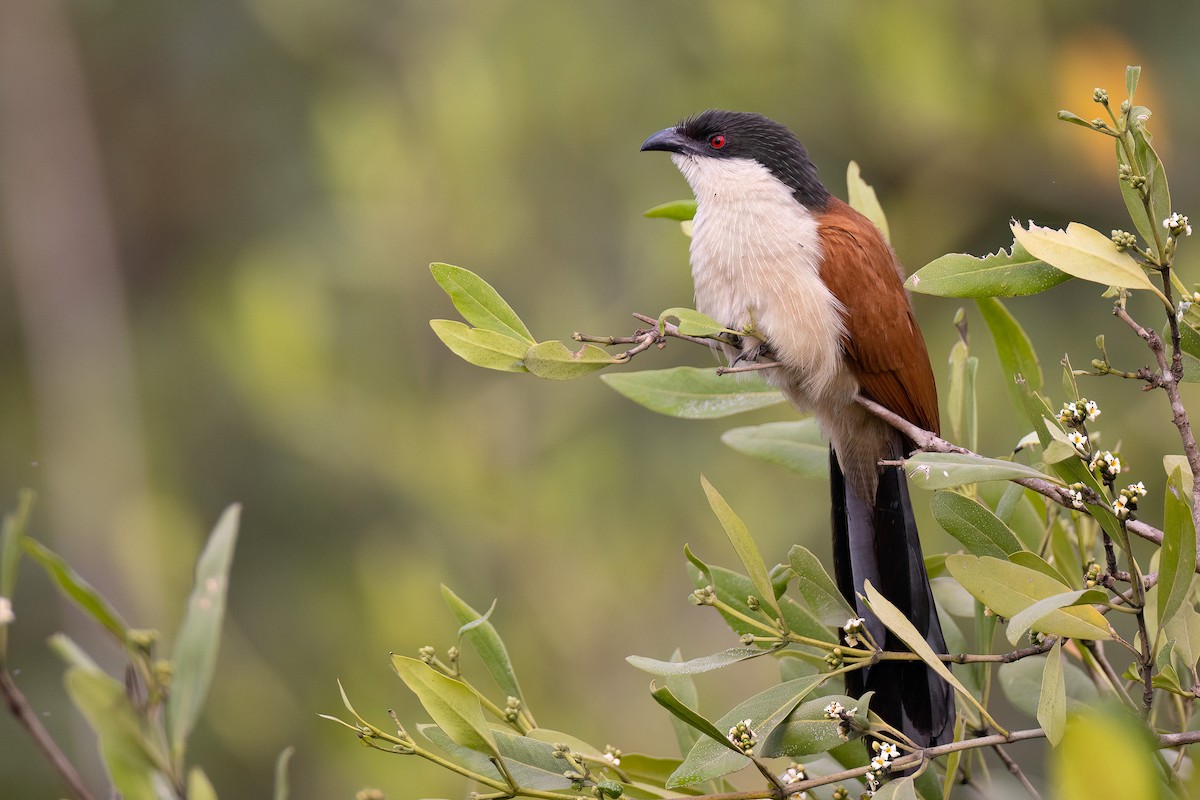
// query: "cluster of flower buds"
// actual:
[[854, 630], [1124, 240], [1127, 501], [512, 709], [835, 658], [885, 753], [612, 755], [1177, 224], [1075, 490], [794, 774], [844, 717], [743, 737], [1076, 413], [1106, 465], [1091, 575]]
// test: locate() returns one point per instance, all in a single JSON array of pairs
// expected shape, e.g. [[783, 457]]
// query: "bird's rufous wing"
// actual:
[[884, 347]]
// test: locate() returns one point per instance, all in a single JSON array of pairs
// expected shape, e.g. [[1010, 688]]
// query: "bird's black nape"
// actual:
[[749, 135]]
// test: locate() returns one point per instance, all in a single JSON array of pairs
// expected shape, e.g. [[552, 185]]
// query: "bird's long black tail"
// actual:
[[878, 542]]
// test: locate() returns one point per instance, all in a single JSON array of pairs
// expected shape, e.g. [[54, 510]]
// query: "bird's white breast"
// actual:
[[756, 254]]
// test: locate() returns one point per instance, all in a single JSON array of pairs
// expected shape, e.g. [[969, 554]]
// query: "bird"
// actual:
[[814, 287]]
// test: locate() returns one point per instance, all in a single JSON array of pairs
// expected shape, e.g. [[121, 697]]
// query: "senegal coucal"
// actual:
[[816, 288]]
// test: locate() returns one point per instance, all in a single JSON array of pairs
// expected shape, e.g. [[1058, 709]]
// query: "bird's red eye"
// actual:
[[716, 141]]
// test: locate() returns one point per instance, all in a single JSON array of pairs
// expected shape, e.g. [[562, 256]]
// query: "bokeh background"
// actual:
[[217, 220]]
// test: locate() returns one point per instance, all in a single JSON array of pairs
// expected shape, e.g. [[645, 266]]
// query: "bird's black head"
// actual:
[[739, 134]]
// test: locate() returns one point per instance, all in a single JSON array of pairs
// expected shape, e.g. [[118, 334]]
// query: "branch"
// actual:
[[931, 442], [20, 708]]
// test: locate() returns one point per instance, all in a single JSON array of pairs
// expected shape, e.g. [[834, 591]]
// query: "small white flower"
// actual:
[[1139, 488], [1178, 223], [6, 613], [1076, 498], [854, 629], [834, 710], [1092, 409], [878, 763], [888, 751], [1079, 440]]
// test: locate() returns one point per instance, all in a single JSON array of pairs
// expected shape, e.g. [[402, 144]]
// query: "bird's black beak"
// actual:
[[668, 139]]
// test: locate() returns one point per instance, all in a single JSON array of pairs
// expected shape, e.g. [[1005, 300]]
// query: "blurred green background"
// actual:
[[213, 288]]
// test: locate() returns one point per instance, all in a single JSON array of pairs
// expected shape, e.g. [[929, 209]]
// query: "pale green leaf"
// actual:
[[451, 704], [481, 347], [76, 588], [1085, 253], [894, 620], [819, 591], [946, 470], [766, 710], [1021, 682], [1025, 619], [676, 209], [807, 730], [1008, 589], [798, 446], [479, 303], [1177, 563], [744, 546], [691, 322], [863, 199], [683, 688], [696, 666], [198, 786], [1016, 353], [898, 789], [694, 393], [693, 719], [555, 361], [194, 656], [478, 630], [282, 784], [126, 746], [733, 588], [1105, 754], [1052, 700], [1189, 345], [1005, 273], [972, 524]]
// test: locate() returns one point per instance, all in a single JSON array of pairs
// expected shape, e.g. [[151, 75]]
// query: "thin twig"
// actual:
[[1015, 769], [20, 708]]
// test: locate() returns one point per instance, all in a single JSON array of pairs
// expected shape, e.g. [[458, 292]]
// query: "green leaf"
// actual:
[[481, 347], [194, 656], [71, 653], [1085, 253], [1178, 560], [679, 210], [126, 746], [807, 731], [1005, 273], [555, 361], [1025, 619], [198, 786], [743, 544], [946, 470], [694, 393], [972, 524], [665, 698], [1075, 119], [766, 710], [863, 199], [282, 786], [894, 620], [960, 398], [1189, 344], [733, 588], [1104, 753], [898, 789], [1132, 74], [479, 303], [1021, 681], [76, 588], [682, 687], [1008, 589], [1016, 353], [797, 446], [529, 760], [12, 534], [691, 322], [818, 589], [696, 666], [1027, 558], [482, 636], [451, 704]]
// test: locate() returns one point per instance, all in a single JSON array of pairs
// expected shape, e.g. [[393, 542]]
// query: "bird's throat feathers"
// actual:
[[756, 256]]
